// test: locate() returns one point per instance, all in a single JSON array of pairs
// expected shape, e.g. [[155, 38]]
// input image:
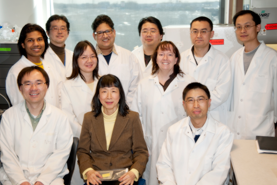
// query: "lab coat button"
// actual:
[[237, 133], [111, 164], [243, 83], [162, 113], [239, 117], [241, 100]]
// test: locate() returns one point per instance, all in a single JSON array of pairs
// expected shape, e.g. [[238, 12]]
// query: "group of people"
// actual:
[[168, 117]]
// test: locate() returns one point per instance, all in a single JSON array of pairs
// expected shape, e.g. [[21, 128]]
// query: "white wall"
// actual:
[[20, 12]]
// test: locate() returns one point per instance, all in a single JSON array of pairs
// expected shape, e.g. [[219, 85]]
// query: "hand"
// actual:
[[127, 178], [93, 177], [38, 183], [25, 183]]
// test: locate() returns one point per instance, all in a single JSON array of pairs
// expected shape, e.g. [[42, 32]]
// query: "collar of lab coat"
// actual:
[[79, 82], [209, 55], [28, 62], [114, 50], [44, 117], [156, 79], [210, 126]]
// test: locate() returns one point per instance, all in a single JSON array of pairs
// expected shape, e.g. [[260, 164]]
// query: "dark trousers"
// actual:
[[114, 183]]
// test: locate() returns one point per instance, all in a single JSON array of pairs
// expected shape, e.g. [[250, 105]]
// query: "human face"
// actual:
[[34, 45], [58, 33], [197, 111], [247, 35], [109, 98], [150, 35], [166, 59], [34, 88], [104, 41], [87, 61], [198, 39]]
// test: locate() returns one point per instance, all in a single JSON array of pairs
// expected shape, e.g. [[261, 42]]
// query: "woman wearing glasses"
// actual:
[[111, 136], [159, 102], [77, 91]]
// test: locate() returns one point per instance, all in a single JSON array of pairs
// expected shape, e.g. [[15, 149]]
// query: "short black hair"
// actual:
[[256, 18], [28, 70], [109, 80], [57, 17], [151, 20], [203, 18], [196, 85], [102, 19], [78, 51], [28, 28]]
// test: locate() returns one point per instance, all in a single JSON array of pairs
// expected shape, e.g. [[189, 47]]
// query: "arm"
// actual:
[[12, 90], [221, 162], [83, 152], [222, 89], [66, 106], [164, 164], [56, 162], [135, 78], [140, 152], [274, 70], [136, 103], [9, 158]]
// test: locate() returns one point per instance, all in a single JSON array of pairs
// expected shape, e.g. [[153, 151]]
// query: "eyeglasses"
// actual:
[[149, 31], [28, 85], [202, 32], [57, 29], [246, 27], [199, 100], [101, 33]]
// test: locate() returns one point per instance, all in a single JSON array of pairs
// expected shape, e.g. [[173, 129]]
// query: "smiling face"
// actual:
[[150, 35], [201, 40], [109, 98], [249, 35], [104, 41], [166, 59], [34, 45], [34, 88], [87, 62], [58, 33], [197, 111]]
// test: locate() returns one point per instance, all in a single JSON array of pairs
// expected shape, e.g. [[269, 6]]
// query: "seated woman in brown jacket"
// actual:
[[111, 136]]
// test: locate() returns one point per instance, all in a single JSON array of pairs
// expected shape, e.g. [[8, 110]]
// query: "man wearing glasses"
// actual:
[[32, 45], [197, 148], [35, 136], [114, 59], [208, 66], [254, 67], [57, 28]]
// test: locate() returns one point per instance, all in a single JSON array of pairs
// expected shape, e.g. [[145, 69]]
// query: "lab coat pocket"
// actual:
[[207, 166], [261, 125], [211, 84], [47, 141], [259, 83], [148, 140]]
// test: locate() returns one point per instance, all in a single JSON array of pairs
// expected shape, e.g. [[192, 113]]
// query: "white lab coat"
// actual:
[[75, 101], [254, 97], [145, 70], [38, 155], [182, 161], [13, 90], [158, 109], [61, 71], [214, 71], [125, 66]]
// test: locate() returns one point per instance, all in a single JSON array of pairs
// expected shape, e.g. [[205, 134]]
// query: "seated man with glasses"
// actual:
[[208, 66], [197, 148], [57, 28], [35, 136], [32, 45], [254, 67], [114, 59]]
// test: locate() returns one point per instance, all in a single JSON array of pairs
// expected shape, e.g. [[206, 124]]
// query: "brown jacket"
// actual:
[[127, 136]]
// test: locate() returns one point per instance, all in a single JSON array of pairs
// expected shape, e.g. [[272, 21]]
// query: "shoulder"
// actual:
[[122, 50], [237, 53], [137, 50], [176, 127], [186, 53], [220, 127], [68, 52], [9, 113], [219, 55], [132, 115]]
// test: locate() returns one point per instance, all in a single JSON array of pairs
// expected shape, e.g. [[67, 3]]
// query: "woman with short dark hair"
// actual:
[[111, 137]]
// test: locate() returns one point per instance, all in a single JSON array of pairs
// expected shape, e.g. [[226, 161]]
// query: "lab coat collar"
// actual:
[[114, 50], [44, 118], [79, 82], [208, 56], [28, 62], [210, 125]]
